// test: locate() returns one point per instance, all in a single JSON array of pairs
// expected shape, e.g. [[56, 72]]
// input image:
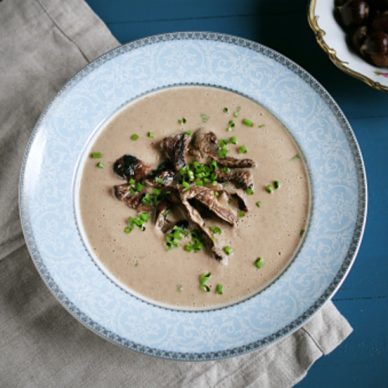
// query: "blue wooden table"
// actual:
[[362, 360]]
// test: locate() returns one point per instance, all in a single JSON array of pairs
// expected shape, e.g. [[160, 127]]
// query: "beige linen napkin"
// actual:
[[42, 44]]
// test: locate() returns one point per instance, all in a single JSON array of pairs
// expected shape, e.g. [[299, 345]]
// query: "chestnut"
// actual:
[[354, 13], [380, 22], [375, 48], [359, 37]]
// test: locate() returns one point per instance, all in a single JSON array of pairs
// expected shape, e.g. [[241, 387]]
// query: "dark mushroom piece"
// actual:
[[132, 200], [208, 198], [175, 149], [240, 178], [195, 218], [128, 166], [204, 145]]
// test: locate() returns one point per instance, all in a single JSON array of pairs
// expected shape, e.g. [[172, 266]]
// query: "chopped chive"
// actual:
[[259, 262], [150, 135], [204, 117], [258, 203], [226, 170], [241, 213], [296, 157], [261, 126], [276, 184], [134, 136], [247, 122], [242, 150], [227, 249], [100, 165], [215, 229], [203, 279], [159, 181], [219, 289], [185, 184], [225, 110], [222, 152], [233, 140], [182, 120], [127, 229], [179, 288], [188, 247], [269, 189], [231, 124], [96, 155], [188, 133], [237, 111], [249, 191], [301, 233]]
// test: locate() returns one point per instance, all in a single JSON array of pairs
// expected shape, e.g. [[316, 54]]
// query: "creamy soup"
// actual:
[[272, 228]]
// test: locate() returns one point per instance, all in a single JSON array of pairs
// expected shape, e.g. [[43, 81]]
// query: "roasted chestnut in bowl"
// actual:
[[366, 23]]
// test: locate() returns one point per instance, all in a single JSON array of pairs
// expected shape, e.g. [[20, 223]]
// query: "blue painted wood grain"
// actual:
[[362, 360]]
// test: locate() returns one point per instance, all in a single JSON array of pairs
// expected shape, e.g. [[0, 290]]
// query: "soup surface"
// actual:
[[272, 229]]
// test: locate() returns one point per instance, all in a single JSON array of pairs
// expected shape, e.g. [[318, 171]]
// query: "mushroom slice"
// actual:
[[240, 178], [132, 200], [129, 166], [208, 198], [176, 147], [205, 145]]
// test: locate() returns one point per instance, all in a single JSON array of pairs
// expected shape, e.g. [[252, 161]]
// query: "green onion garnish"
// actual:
[[150, 135], [215, 229], [237, 111], [219, 289], [247, 122], [179, 288], [173, 237], [134, 136], [100, 165], [225, 110], [269, 189], [301, 233], [138, 222], [204, 117], [242, 150], [228, 250], [258, 203], [96, 155], [259, 262], [249, 191], [296, 157], [276, 184], [203, 279], [182, 120], [241, 213], [188, 133], [233, 140]]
